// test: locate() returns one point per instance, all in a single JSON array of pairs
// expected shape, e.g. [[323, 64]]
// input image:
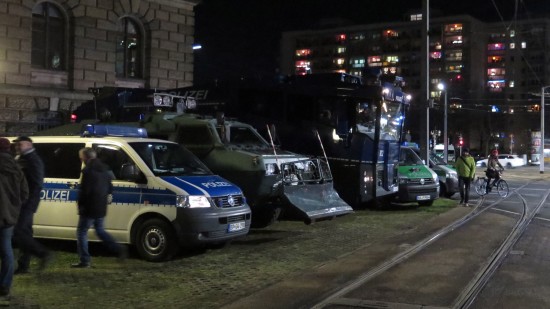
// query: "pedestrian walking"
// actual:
[[13, 191], [95, 189], [465, 167], [32, 166]]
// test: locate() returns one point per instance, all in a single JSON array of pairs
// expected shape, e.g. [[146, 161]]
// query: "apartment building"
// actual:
[[52, 52], [489, 70]]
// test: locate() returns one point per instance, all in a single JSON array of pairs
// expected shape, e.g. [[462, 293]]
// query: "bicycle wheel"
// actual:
[[480, 185], [502, 188]]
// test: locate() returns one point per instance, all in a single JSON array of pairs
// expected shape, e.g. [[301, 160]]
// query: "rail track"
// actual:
[[475, 285]]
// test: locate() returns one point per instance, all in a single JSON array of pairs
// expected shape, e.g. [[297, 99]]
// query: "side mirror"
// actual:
[[130, 172]]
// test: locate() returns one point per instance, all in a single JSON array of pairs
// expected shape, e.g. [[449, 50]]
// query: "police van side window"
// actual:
[[114, 157], [60, 159]]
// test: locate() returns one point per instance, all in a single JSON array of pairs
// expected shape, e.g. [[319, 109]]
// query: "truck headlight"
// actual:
[[271, 169], [192, 201]]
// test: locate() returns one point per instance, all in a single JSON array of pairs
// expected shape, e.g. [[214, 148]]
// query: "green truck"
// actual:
[[272, 179]]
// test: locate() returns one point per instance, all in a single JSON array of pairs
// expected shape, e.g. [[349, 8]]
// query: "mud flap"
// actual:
[[316, 201]]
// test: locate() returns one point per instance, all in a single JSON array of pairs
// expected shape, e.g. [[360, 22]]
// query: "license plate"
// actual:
[[236, 226], [422, 197]]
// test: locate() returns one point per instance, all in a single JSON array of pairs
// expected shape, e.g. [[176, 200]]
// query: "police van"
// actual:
[[417, 182], [163, 196]]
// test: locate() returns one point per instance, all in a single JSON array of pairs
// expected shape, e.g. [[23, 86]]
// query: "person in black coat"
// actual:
[[95, 190], [13, 191], [33, 167]]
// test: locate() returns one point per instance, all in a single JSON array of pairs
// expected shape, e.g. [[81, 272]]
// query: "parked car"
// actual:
[[448, 178], [507, 160]]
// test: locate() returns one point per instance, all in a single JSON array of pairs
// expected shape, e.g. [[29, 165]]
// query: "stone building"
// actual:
[[52, 52]]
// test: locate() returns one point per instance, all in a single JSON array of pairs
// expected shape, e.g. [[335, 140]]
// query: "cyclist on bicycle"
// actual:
[[493, 169]]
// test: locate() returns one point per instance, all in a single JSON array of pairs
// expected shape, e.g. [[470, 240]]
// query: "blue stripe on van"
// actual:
[[196, 185]]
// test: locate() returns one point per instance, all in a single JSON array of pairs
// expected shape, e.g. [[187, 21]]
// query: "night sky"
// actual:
[[240, 38]]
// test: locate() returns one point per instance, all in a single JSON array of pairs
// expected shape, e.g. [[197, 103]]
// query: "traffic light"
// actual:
[[460, 141]]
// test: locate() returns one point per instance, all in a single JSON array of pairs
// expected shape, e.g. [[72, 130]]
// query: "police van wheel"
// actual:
[[156, 241]]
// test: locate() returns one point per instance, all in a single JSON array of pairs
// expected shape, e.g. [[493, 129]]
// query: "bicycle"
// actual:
[[481, 183]]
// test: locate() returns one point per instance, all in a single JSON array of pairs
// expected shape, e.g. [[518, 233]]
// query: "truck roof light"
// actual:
[[95, 130]]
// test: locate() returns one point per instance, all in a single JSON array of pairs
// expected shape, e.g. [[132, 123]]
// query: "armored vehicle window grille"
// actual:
[[305, 171], [229, 201]]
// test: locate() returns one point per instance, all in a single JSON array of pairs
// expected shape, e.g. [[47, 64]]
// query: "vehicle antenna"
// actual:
[[323, 148], [272, 145]]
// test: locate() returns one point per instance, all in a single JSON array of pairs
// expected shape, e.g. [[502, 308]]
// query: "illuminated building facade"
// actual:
[[486, 70]]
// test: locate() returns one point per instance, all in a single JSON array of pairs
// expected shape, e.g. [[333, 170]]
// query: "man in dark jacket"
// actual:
[[13, 191], [95, 189], [33, 168]]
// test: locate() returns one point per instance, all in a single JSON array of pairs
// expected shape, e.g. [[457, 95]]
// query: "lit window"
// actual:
[[373, 59], [496, 85], [358, 36], [128, 49], [495, 46], [453, 28], [435, 55], [416, 17], [341, 50], [454, 68], [341, 38], [511, 84], [303, 67], [512, 45], [392, 59], [358, 62], [523, 45], [340, 61], [303, 52], [438, 45], [391, 33], [512, 33], [48, 37], [454, 55]]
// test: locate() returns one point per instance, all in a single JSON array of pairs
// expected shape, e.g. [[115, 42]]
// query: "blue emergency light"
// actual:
[[96, 130]]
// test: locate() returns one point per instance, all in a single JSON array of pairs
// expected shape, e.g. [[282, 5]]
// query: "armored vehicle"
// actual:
[[273, 180]]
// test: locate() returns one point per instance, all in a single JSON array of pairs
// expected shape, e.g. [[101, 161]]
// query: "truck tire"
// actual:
[[156, 240], [265, 217]]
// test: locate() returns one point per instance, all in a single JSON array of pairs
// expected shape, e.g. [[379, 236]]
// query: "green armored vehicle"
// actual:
[[272, 180]]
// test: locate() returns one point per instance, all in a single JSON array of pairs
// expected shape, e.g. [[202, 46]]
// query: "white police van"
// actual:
[[163, 196]]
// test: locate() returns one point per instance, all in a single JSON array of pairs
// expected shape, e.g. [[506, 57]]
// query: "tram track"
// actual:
[[481, 277]]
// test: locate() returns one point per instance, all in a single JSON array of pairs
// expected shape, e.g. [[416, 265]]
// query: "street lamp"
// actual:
[[541, 160], [441, 87]]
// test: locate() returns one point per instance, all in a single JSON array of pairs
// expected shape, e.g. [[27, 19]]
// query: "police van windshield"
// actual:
[[409, 157], [167, 159]]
